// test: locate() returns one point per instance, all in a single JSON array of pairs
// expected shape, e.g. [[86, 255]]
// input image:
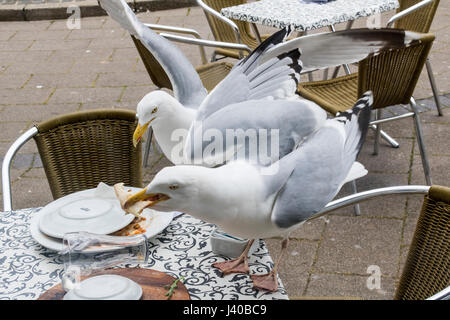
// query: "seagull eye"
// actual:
[[173, 187], [155, 110]]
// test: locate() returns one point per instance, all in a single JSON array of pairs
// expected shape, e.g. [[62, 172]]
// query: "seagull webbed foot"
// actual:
[[239, 265], [266, 281]]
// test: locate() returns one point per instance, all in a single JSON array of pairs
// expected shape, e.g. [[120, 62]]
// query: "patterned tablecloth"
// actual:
[[183, 249], [302, 15]]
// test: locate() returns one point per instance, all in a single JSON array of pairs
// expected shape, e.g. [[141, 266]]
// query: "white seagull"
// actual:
[[271, 72], [245, 203]]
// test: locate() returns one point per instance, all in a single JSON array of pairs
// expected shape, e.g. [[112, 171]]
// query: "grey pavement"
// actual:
[[47, 69]]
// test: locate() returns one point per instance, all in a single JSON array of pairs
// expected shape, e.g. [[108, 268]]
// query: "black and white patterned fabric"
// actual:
[[27, 269], [303, 15]]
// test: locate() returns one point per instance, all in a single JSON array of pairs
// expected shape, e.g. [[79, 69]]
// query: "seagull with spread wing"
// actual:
[[245, 203], [268, 77]]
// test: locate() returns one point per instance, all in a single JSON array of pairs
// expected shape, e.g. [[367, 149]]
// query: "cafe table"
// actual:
[[304, 15], [182, 249]]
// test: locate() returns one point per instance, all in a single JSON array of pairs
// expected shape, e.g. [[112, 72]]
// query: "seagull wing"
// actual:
[[329, 49], [322, 164], [249, 80], [187, 86], [251, 130]]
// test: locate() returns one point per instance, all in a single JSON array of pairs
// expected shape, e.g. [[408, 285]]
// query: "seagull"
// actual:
[[245, 203], [271, 72]]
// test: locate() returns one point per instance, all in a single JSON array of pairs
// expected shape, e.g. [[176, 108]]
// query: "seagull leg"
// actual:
[[269, 281], [238, 265]]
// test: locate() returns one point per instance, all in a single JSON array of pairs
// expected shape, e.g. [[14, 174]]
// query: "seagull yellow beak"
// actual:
[[152, 198], [139, 132]]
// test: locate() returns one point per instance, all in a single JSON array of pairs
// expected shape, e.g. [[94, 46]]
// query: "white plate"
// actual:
[[155, 223], [83, 211], [106, 287]]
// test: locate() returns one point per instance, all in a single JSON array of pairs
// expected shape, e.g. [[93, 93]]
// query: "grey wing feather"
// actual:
[[342, 47], [286, 123], [276, 79], [187, 86], [322, 164]]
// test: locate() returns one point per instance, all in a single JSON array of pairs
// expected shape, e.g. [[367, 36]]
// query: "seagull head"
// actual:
[[172, 189], [154, 106], [210, 194]]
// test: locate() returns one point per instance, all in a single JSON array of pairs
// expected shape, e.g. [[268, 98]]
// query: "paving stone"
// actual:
[[440, 174], [36, 113], [399, 158], [85, 33], [136, 93], [107, 105], [123, 79], [12, 130], [23, 161], [6, 35], [110, 43], [14, 81], [311, 230], [85, 95], [432, 130], [31, 193], [15, 45], [24, 96], [8, 57], [80, 55], [35, 173], [41, 35], [59, 44], [349, 286], [296, 263], [38, 67], [25, 25], [69, 80], [104, 66], [351, 244]]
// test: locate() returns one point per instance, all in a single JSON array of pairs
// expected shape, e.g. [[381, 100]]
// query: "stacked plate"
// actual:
[[94, 210]]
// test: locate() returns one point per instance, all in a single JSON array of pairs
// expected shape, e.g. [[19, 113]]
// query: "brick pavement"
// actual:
[[47, 69]]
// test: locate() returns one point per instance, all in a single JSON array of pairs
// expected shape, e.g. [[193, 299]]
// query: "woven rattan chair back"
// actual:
[[155, 70], [418, 21], [81, 149], [223, 32], [393, 74], [427, 268]]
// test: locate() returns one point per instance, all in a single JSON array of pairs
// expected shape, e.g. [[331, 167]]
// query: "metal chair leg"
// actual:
[[148, 145], [356, 207], [386, 137], [420, 142], [434, 87], [376, 145]]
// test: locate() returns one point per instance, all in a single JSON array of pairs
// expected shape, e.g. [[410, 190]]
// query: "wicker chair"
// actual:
[[426, 273], [226, 30], [417, 15], [427, 268], [81, 149], [210, 73], [391, 75]]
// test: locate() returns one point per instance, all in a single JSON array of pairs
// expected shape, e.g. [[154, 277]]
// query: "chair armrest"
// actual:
[[408, 11], [206, 43], [222, 18], [158, 27], [6, 166], [369, 194], [442, 295]]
